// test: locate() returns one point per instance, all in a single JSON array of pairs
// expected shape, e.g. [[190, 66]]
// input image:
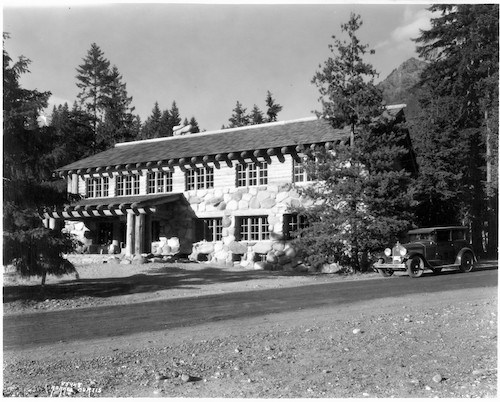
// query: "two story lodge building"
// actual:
[[215, 195]]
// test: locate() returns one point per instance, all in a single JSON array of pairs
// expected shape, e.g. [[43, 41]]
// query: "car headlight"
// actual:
[[402, 251], [387, 252]]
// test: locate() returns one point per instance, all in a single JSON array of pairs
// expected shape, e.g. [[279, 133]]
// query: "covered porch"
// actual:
[[126, 225]]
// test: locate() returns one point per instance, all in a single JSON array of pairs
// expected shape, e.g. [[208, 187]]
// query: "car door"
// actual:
[[459, 240], [445, 251]]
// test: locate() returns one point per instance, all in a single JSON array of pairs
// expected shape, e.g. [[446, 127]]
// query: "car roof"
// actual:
[[434, 228]]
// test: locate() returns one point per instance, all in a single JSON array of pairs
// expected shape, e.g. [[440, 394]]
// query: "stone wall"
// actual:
[[272, 201]]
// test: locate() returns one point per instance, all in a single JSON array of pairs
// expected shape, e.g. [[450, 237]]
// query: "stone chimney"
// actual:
[[182, 130]]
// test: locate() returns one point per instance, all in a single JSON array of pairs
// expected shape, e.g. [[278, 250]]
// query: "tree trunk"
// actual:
[[491, 196]]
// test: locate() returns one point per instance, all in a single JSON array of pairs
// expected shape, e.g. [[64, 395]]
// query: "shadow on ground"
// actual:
[[156, 279]]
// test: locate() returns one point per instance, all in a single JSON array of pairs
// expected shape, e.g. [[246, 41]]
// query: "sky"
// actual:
[[205, 57]]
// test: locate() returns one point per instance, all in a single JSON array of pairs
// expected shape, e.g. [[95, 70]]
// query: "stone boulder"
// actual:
[[205, 248], [237, 248], [271, 257], [262, 247]]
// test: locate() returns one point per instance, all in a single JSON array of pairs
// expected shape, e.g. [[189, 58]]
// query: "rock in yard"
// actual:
[[437, 378], [186, 378]]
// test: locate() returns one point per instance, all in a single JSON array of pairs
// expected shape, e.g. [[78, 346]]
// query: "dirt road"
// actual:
[[414, 345], [36, 329]]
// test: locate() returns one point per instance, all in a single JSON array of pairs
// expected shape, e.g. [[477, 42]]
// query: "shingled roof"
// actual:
[[263, 136], [305, 131]]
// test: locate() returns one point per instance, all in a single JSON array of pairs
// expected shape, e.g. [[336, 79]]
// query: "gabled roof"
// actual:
[[262, 136]]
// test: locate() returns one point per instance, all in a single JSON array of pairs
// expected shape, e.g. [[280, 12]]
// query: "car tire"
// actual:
[[382, 271], [467, 262], [386, 272], [415, 267]]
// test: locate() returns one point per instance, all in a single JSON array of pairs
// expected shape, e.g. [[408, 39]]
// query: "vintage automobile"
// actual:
[[429, 248]]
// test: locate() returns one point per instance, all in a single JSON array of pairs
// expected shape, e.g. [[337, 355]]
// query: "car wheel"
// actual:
[[386, 272], [437, 271], [467, 262], [415, 267], [382, 271]]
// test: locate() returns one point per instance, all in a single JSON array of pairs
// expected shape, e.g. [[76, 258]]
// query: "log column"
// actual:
[[74, 183], [140, 230], [129, 247], [148, 235], [55, 224]]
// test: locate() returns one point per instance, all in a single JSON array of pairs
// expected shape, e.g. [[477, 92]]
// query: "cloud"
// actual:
[[414, 22]]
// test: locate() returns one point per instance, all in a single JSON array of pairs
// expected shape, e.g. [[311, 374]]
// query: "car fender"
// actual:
[[458, 259], [412, 254]]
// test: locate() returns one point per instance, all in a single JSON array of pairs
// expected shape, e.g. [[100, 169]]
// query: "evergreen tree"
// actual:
[[118, 124], [194, 126], [165, 128], [239, 117], [152, 125], [73, 132], [175, 118], [273, 108], [256, 116], [457, 129], [346, 83], [27, 167], [93, 80], [361, 193]]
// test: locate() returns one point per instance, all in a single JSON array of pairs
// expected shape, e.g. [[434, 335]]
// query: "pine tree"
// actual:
[[165, 129], [256, 116], [361, 191], [175, 118], [457, 130], [273, 108], [239, 117], [73, 131], [27, 167], [94, 80], [152, 126], [194, 126], [118, 124], [346, 83]]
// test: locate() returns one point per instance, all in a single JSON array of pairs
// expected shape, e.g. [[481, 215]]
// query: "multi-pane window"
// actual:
[[209, 229], [253, 228], [251, 174], [127, 185], [292, 223], [200, 178], [300, 172], [97, 187], [159, 182]]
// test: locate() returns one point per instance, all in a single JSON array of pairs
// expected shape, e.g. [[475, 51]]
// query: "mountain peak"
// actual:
[[396, 86]]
